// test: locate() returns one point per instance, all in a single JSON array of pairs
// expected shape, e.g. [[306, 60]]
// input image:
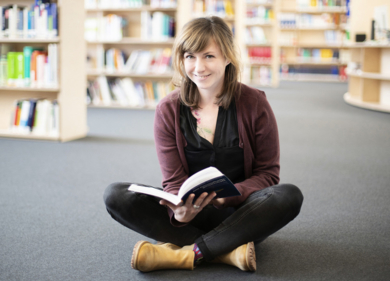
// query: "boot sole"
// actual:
[[134, 257], [251, 256]]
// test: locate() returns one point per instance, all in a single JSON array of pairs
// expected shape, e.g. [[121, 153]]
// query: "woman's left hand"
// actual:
[[187, 212]]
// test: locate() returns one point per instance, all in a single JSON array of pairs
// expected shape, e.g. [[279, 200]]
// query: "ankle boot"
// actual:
[[148, 257], [243, 257]]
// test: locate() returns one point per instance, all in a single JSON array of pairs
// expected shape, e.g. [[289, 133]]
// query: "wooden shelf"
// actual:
[[134, 41], [309, 28], [367, 105], [30, 40], [311, 77], [122, 107], [334, 46], [29, 89], [132, 75], [139, 9], [370, 75], [11, 134], [258, 44], [316, 10], [312, 62], [263, 24], [367, 45]]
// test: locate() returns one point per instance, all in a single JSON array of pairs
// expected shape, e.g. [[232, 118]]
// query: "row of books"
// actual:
[[108, 28], [259, 15], [214, 7], [258, 75], [125, 92], [35, 116], [37, 21], [157, 26], [319, 55], [114, 4], [260, 2], [325, 20], [34, 67], [155, 61], [331, 37], [291, 70], [320, 3], [255, 35], [261, 55]]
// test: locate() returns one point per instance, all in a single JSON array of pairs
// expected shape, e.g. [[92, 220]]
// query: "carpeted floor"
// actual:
[[53, 224]]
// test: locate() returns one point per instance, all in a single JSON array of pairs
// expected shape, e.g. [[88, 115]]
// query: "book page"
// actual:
[[156, 193], [198, 178]]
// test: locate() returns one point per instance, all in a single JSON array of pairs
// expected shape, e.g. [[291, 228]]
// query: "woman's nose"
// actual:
[[199, 65]]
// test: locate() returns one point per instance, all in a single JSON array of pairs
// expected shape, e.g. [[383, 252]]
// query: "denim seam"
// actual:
[[241, 217]]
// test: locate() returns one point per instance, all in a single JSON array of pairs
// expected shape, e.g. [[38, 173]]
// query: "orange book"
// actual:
[[33, 64]]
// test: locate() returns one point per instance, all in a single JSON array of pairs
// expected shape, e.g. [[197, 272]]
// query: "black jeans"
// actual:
[[216, 232]]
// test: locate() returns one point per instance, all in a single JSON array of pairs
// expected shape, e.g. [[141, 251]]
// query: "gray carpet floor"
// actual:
[[54, 226]]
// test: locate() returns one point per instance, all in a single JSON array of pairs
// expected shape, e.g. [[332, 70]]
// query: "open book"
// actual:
[[206, 180]]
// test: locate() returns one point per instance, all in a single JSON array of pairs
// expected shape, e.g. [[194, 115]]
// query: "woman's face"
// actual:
[[206, 68]]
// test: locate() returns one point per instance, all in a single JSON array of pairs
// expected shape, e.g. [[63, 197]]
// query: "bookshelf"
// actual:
[[261, 50], [312, 40], [69, 91], [369, 69], [150, 83]]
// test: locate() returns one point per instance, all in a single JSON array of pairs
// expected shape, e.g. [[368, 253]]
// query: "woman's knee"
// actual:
[[293, 197], [114, 194]]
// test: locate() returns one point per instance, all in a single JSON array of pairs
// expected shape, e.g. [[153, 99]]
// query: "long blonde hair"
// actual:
[[195, 37]]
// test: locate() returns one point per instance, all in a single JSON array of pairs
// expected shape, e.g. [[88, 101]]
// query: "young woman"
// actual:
[[210, 120]]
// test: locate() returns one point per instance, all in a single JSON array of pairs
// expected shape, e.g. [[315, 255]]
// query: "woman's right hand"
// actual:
[[187, 212]]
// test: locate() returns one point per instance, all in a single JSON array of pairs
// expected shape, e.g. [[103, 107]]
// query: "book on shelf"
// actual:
[[40, 20], [108, 28], [125, 92], [125, 4], [35, 116], [259, 55], [33, 67], [157, 26], [255, 35], [319, 4], [154, 61], [219, 8], [259, 15], [261, 75], [207, 180]]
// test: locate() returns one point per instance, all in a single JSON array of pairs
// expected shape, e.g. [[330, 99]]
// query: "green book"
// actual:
[[27, 51], [11, 71], [19, 69]]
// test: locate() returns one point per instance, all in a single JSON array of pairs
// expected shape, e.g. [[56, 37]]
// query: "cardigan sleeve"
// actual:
[[262, 146], [166, 141]]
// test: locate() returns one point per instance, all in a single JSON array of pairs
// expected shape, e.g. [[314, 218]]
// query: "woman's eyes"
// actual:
[[207, 56]]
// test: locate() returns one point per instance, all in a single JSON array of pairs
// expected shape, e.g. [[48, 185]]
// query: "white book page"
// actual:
[[155, 192], [198, 178]]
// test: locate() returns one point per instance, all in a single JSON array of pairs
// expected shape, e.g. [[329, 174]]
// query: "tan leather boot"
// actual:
[[243, 257], [148, 257]]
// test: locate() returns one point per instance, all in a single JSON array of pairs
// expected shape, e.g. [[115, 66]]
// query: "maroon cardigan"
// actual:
[[258, 134]]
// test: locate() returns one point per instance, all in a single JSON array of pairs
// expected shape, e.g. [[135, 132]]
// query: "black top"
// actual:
[[224, 154]]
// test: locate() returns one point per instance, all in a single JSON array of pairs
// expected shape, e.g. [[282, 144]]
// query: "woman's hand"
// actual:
[[187, 212], [219, 203]]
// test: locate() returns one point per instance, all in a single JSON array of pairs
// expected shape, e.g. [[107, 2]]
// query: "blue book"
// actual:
[[31, 114], [53, 12], [207, 180]]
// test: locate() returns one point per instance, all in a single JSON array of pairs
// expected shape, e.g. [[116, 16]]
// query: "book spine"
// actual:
[[27, 51], [11, 71], [19, 69]]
